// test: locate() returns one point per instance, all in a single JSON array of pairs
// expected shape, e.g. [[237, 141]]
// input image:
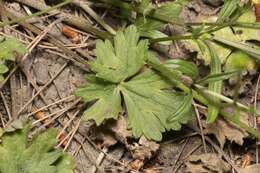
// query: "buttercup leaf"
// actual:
[[147, 95], [149, 107], [117, 63], [17, 155], [108, 104], [9, 47]]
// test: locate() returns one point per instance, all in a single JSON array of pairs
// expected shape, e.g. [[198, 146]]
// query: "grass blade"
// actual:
[[185, 67], [217, 77], [215, 86]]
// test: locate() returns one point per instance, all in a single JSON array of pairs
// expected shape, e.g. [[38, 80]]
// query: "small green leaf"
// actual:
[[227, 10], [218, 77], [16, 124], [183, 66], [169, 10], [241, 61], [17, 155], [9, 47], [3, 68]]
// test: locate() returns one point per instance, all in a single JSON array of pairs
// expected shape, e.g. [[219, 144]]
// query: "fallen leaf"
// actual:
[[206, 163], [120, 129], [15, 125], [225, 131], [250, 169], [145, 149], [136, 165], [104, 136]]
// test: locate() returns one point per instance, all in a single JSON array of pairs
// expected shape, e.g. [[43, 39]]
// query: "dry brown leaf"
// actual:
[[136, 165], [223, 131], [145, 149], [206, 163], [251, 169], [120, 129]]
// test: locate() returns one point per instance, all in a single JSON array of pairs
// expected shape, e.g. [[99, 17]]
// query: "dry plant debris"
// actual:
[[224, 131], [207, 163]]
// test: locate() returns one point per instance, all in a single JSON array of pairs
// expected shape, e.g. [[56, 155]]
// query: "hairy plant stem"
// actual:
[[203, 100]]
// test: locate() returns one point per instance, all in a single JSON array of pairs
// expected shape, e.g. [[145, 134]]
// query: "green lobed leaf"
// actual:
[[17, 155], [149, 107], [108, 104], [9, 47], [124, 59], [147, 95]]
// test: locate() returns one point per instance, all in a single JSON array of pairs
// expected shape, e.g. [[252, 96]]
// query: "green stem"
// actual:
[[240, 124], [2, 24], [128, 6], [178, 84]]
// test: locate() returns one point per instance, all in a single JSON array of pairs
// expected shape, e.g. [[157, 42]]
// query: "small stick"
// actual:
[[221, 152], [200, 126], [47, 123], [2, 120], [64, 110], [43, 88], [255, 119], [6, 106], [100, 159], [93, 14], [180, 153], [71, 137], [68, 123]]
